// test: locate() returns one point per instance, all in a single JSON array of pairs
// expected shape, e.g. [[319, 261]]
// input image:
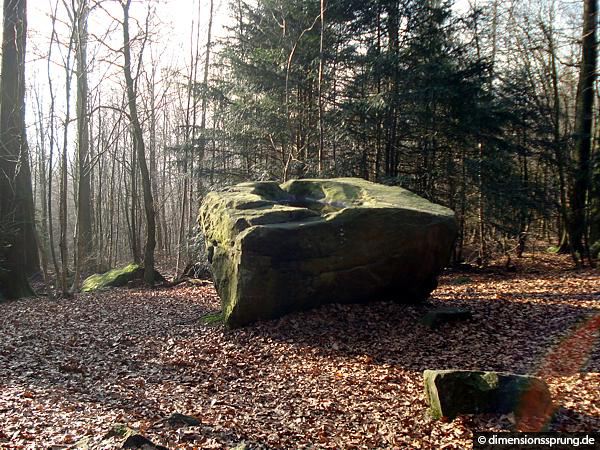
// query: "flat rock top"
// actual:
[[331, 195], [318, 198], [225, 215]]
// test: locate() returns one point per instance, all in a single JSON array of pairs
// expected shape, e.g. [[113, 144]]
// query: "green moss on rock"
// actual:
[[595, 250], [276, 248], [120, 430], [453, 392], [212, 319], [112, 278]]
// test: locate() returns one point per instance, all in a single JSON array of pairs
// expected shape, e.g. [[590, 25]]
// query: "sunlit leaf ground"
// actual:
[[336, 377]]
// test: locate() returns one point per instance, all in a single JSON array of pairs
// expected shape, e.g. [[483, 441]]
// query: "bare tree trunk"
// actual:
[[17, 245], [391, 114], [63, 204], [111, 210], [135, 248], [190, 135], [84, 199], [583, 132], [151, 83], [162, 214], [51, 147], [205, 82], [559, 150], [320, 87], [139, 146], [481, 210], [43, 191]]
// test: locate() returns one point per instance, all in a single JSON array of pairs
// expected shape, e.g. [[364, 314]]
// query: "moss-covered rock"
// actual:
[[280, 248], [453, 392], [595, 250], [212, 319], [120, 430], [116, 278]]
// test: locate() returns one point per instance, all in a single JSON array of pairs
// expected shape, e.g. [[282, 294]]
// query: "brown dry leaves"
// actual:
[[336, 377]]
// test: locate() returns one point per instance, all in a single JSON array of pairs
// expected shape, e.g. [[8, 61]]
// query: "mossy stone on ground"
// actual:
[[453, 392], [120, 430], [276, 248], [212, 319], [116, 278], [595, 250]]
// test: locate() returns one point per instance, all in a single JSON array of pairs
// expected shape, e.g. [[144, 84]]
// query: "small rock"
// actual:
[[240, 446], [83, 443], [442, 316], [179, 420], [140, 442], [120, 430], [453, 392]]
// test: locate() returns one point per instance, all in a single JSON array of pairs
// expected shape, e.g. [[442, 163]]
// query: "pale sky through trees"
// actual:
[[173, 17], [170, 47]]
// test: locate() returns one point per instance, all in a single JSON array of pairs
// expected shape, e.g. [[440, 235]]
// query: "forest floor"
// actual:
[[334, 377]]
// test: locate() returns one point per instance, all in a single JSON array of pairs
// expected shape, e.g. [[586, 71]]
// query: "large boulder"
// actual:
[[278, 248], [453, 392]]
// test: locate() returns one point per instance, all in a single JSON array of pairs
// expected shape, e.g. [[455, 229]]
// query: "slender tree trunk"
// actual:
[[84, 198], [320, 88], [63, 204], [111, 209], [140, 149], [391, 118], [559, 150], [205, 83], [190, 135], [153, 169], [42, 232], [51, 147], [481, 210], [204, 102], [162, 212]]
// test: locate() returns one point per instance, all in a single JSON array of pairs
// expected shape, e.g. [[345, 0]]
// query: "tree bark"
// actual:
[[18, 243], [583, 132], [320, 87], [392, 110], [63, 204], [84, 199], [140, 149], [51, 145]]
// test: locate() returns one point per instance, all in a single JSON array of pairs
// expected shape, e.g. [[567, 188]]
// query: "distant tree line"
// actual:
[[490, 113]]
